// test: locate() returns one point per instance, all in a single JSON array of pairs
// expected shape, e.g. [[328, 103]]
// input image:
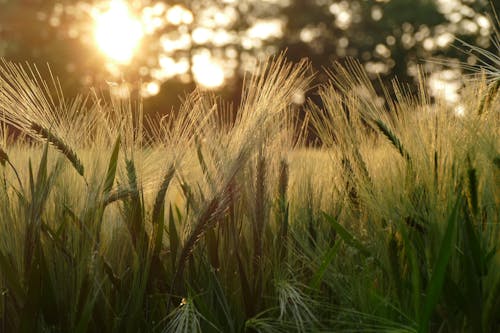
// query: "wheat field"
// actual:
[[221, 219]]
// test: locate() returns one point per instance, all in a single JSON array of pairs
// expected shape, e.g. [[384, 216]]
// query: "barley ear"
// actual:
[[489, 98], [60, 145], [391, 136]]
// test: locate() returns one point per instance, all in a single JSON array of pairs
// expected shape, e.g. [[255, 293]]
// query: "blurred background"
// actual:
[[161, 49]]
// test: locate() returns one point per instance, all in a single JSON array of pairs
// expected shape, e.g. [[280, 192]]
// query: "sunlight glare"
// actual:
[[117, 32]]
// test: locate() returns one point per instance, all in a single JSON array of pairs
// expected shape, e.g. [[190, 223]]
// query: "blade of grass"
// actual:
[[111, 173], [174, 241], [435, 287], [350, 240], [325, 263]]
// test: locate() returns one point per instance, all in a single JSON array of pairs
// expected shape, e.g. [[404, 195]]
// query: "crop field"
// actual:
[[222, 219]]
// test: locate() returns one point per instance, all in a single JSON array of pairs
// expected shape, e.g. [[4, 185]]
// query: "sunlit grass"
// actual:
[[221, 220]]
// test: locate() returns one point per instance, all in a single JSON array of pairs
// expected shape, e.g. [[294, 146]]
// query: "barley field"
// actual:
[[222, 219]]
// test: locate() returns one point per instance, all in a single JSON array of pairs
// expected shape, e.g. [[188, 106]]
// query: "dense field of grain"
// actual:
[[213, 223]]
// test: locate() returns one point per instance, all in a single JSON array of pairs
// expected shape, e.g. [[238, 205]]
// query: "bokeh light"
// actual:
[[207, 72]]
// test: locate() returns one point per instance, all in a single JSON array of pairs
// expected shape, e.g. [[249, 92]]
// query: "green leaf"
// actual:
[[394, 256], [112, 165], [474, 269], [56, 240], [248, 295], [416, 280], [49, 291], [158, 231], [173, 237], [222, 302], [350, 239], [203, 163], [472, 188], [134, 211], [42, 168], [435, 286], [32, 308], [82, 326], [491, 304], [199, 153], [212, 244], [11, 278], [473, 250], [325, 262]]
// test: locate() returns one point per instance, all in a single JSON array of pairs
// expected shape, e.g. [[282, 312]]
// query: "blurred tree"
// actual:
[[28, 33], [389, 37], [214, 41]]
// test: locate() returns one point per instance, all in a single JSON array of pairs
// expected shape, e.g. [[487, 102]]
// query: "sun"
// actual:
[[117, 32]]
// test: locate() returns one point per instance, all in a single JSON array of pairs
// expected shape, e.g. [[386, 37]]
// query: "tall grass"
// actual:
[[215, 223]]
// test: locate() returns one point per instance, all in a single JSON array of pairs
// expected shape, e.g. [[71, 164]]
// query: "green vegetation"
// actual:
[[219, 223]]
